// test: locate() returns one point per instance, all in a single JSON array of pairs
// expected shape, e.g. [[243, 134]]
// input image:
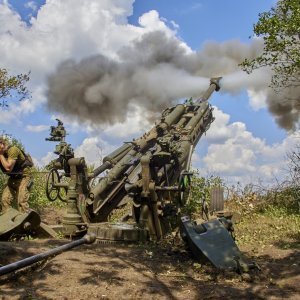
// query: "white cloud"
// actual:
[[16, 109], [234, 153], [219, 131], [151, 22], [230, 158], [91, 27], [136, 123], [37, 128], [23, 107], [32, 5], [58, 33], [174, 24], [257, 99], [93, 149], [45, 159]]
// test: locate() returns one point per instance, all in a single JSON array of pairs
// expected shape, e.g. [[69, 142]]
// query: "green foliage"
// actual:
[[273, 226], [13, 87], [294, 164], [189, 101], [2, 182], [280, 29], [252, 199], [200, 191], [15, 142], [38, 198], [12, 141], [285, 199]]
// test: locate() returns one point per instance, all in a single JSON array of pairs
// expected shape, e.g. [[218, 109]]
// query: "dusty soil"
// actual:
[[149, 271]]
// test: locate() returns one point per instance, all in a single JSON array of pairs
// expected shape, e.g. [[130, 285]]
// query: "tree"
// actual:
[[13, 87], [280, 29], [294, 164]]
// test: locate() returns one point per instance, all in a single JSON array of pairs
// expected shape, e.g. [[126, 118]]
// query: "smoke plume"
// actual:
[[155, 70]]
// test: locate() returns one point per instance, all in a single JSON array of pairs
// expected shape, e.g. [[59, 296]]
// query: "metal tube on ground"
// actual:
[[87, 239]]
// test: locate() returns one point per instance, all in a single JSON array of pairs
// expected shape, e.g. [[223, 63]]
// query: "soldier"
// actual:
[[15, 163]]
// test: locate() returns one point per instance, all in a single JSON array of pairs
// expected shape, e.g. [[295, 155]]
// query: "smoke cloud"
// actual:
[[155, 70]]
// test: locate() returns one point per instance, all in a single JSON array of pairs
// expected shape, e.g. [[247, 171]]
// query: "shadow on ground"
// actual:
[[115, 271]]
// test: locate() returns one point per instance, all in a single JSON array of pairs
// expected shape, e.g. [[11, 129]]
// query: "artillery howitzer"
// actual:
[[152, 175]]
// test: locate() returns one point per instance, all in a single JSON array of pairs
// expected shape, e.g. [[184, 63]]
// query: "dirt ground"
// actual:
[[148, 271]]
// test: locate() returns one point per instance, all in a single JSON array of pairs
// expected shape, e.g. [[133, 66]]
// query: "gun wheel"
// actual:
[[52, 190]]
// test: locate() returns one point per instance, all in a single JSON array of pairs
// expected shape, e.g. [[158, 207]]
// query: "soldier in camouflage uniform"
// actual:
[[13, 163]]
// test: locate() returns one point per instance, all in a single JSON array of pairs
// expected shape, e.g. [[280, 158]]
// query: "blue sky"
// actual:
[[244, 143], [207, 20]]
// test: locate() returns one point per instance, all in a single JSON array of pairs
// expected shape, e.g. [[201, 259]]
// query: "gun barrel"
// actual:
[[172, 118], [214, 86], [119, 153], [87, 239], [101, 168], [112, 159]]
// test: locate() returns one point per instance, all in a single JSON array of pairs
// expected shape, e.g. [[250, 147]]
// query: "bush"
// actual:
[[283, 197], [2, 182], [38, 198], [200, 191], [286, 196]]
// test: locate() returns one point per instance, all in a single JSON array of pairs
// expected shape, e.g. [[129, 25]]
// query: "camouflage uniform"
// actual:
[[19, 182]]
